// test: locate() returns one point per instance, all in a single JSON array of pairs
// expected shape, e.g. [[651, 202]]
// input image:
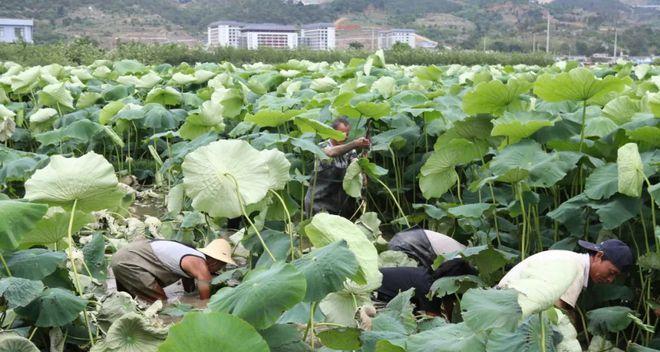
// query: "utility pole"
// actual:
[[533, 42], [547, 35], [373, 36], [616, 34], [484, 43]]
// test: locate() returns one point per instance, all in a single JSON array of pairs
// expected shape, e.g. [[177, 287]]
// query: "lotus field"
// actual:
[[510, 160]]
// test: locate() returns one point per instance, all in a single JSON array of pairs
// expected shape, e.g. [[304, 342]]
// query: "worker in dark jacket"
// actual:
[[326, 192], [424, 246], [144, 267], [399, 279]]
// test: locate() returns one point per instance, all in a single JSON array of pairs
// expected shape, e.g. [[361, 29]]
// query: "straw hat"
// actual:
[[219, 249]]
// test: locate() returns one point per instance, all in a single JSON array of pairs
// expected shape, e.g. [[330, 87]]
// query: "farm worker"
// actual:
[[326, 192], [601, 264], [424, 245], [144, 267], [399, 279]]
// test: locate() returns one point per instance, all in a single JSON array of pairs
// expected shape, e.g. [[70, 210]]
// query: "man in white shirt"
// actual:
[[601, 264]]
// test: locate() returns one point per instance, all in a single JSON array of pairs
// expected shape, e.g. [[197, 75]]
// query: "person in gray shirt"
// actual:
[[143, 268]]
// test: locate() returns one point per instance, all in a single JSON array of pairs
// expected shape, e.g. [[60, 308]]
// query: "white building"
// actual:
[[16, 30], [386, 39], [271, 35], [225, 33], [318, 36]]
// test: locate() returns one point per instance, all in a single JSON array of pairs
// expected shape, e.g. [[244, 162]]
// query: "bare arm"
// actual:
[[566, 308], [196, 267], [337, 150]]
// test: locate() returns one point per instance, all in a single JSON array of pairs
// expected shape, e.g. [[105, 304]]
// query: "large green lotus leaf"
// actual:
[[541, 285], [604, 320], [385, 86], [278, 168], [212, 172], [599, 126], [438, 174], [630, 169], [470, 128], [353, 180], [495, 97], [109, 111], [55, 96], [602, 183], [446, 338], [372, 109], [90, 180], [323, 84], [124, 67], [326, 228], [545, 169], [147, 81], [527, 337], [42, 115], [516, 126], [486, 258], [213, 332], [94, 254], [81, 131], [54, 226], [474, 210], [271, 118], [54, 307], [263, 295], [17, 219], [19, 292], [284, 338], [25, 80], [340, 307], [164, 96], [230, 99], [490, 309], [621, 109], [452, 284], [11, 342], [577, 84], [324, 131], [264, 82], [647, 134], [326, 269], [616, 210], [35, 263], [131, 333], [341, 338]]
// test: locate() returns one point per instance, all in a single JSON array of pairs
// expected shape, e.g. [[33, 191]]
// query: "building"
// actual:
[[225, 33], [386, 39], [16, 30], [318, 36], [271, 35]]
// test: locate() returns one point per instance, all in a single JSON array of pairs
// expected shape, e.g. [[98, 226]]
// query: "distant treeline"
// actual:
[[82, 52]]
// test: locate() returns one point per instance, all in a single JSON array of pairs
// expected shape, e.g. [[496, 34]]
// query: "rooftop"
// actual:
[[229, 23], [267, 27], [16, 22], [317, 25], [405, 30]]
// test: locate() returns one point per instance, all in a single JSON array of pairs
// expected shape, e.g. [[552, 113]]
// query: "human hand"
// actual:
[[362, 142]]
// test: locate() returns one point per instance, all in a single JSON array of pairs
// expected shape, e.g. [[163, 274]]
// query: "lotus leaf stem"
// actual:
[[289, 225], [4, 263]]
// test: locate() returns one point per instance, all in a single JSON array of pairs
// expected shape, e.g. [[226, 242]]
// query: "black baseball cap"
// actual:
[[615, 251]]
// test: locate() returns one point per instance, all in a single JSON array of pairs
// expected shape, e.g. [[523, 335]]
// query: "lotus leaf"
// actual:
[[520, 125], [529, 336], [164, 96], [11, 342], [56, 95], [446, 338], [17, 219], [604, 320], [630, 170], [35, 263], [491, 309], [89, 181], [284, 338], [54, 307], [577, 84], [495, 97], [19, 292], [263, 295], [211, 332], [131, 333]]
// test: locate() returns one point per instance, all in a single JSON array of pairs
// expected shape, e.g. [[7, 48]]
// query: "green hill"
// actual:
[[578, 26]]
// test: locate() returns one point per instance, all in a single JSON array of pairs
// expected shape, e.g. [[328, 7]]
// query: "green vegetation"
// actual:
[[511, 160], [84, 51]]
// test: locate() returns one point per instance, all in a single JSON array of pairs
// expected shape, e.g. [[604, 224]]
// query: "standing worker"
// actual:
[[326, 192], [424, 245], [143, 268], [601, 264]]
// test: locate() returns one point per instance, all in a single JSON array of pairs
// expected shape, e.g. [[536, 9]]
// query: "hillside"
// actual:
[[577, 26]]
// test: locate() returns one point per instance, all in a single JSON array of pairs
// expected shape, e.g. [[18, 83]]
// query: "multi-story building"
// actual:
[[318, 36], [16, 30], [225, 33], [254, 36], [386, 39]]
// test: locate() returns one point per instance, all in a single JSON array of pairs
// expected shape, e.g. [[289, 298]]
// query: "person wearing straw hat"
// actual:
[[144, 267]]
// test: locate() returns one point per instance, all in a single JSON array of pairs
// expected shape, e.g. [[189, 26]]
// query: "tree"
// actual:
[[355, 45]]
